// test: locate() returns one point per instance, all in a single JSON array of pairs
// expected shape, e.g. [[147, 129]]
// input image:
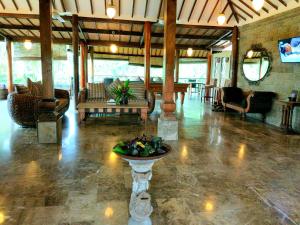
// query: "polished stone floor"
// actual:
[[222, 171]]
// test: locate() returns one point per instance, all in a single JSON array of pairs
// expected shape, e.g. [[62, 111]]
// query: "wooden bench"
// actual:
[[103, 107]]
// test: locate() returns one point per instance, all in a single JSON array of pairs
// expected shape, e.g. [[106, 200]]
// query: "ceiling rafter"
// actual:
[[242, 10], [192, 10], [15, 4], [133, 8], [229, 18], [1, 3], [22, 24], [146, 9], [180, 10], [212, 12], [283, 2], [54, 4], [225, 7], [92, 7], [76, 6], [249, 7], [159, 9], [233, 11], [272, 4], [206, 1], [243, 18], [29, 5], [63, 5]]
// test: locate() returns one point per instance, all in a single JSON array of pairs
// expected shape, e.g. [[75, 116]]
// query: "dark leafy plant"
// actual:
[[142, 146], [123, 92]]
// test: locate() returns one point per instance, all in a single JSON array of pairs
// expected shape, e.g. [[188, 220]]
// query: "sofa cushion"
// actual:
[[111, 87], [35, 88], [95, 90], [61, 104], [138, 90], [21, 89], [233, 94]]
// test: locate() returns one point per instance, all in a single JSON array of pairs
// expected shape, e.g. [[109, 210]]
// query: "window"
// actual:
[[192, 70], [3, 63]]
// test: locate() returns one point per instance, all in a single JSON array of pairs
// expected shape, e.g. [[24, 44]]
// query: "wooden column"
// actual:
[[147, 49], [208, 75], [92, 63], [168, 105], [45, 8], [83, 64], [75, 43], [177, 66], [235, 56], [10, 85]]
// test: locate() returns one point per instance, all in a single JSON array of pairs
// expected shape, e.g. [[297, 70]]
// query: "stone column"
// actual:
[[167, 123], [10, 85], [235, 56], [147, 57]]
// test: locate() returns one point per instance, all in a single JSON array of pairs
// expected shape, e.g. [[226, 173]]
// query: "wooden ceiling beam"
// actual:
[[146, 9], [15, 4], [233, 11], [159, 9], [192, 10], [249, 7], [239, 15], [76, 6], [180, 10], [29, 5], [206, 1], [1, 3], [225, 35], [104, 31], [137, 55], [229, 18], [92, 7], [283, 3], [63, 5], [242, 10], [225, 7], [213, 11], [272, 4], [133, 8]]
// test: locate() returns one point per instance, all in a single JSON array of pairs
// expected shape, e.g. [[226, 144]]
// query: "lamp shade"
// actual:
[[111, 11], [28, 44], [190, 51], [258, 4], [113, 48], [221, 19]]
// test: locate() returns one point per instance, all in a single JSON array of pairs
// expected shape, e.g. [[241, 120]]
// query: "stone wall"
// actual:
[[284, 77]]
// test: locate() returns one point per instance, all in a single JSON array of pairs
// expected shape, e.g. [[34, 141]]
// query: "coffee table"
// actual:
[[103, 107]]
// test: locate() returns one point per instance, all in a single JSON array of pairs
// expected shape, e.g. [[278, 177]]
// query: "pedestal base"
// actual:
[[147, 221], [167, 129], [49, 132]]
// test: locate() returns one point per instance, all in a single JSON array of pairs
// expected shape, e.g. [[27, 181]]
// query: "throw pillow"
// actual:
[[138, 90], [21, 89], [35, 88], [96, 91], [110, 88]]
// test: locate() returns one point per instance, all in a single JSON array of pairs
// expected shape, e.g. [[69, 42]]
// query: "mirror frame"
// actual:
[[258, 47]]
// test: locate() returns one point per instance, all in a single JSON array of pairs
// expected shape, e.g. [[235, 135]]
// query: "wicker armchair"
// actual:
[[23, 108]]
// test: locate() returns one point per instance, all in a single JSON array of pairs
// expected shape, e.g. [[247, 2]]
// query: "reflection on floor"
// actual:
[[222, 171]]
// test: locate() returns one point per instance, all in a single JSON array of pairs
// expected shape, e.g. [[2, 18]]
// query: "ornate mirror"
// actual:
[[256, 64]]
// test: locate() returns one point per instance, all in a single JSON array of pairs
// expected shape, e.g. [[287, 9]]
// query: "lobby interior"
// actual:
[[229, 163]]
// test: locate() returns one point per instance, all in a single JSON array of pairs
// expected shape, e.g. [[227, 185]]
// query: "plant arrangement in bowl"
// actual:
[[123, 93], [142, 146]]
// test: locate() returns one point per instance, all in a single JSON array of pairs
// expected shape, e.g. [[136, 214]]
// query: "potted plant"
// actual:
[[123, 93], [141, 153]]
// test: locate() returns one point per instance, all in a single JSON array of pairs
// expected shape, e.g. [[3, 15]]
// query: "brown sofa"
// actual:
[[23, 108], [247, 102]]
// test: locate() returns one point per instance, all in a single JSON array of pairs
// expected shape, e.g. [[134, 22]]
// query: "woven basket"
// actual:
[[3, 94]]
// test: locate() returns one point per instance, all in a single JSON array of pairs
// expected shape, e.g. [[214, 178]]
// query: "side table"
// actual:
[[287, 115]]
